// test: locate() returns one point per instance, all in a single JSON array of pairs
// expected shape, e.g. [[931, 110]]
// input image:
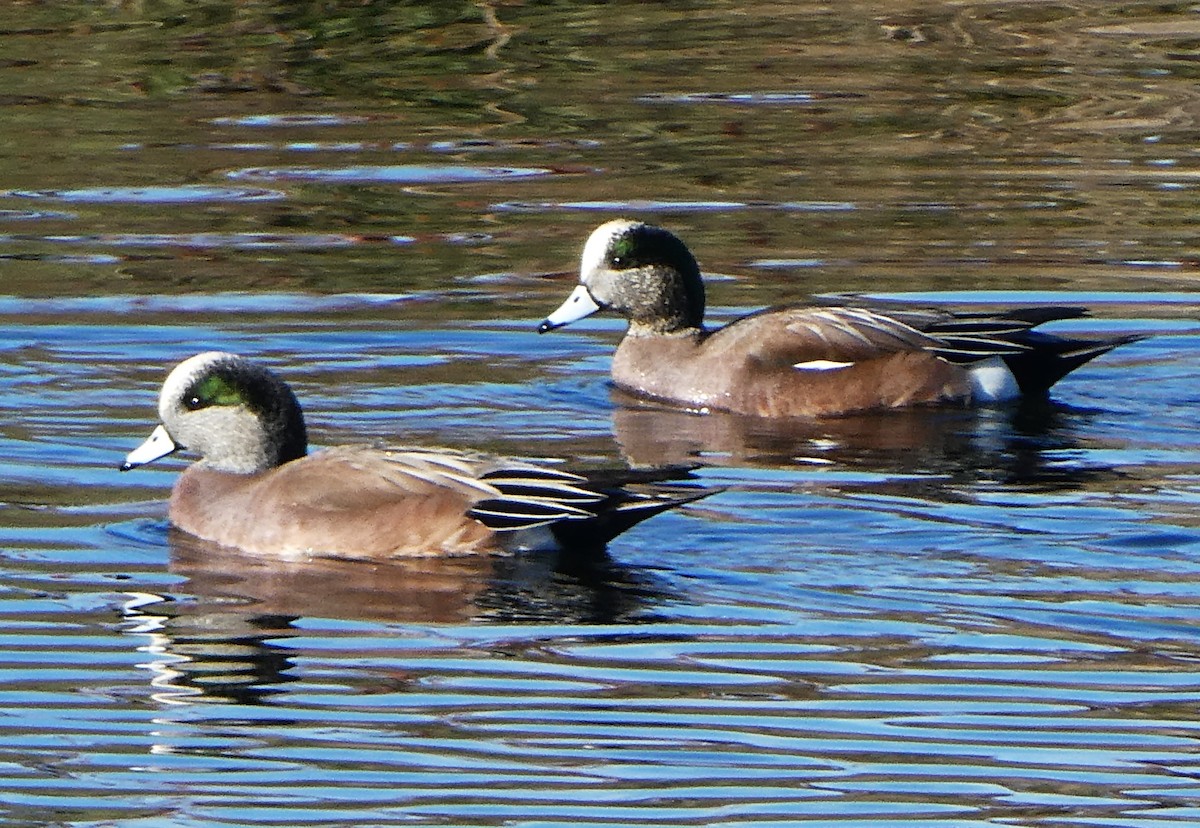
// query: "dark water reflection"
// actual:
[[533, 587], [947, 617], [1015, 446], [227, 640]]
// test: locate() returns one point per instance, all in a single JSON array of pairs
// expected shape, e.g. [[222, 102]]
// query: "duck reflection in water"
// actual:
[[227, 641], [1022, 444]]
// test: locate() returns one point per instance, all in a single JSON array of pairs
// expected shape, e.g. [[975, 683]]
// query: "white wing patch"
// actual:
[[821, 365]]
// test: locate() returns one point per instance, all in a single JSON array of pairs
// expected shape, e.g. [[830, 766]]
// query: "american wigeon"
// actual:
[[256, 487], [804, 361]]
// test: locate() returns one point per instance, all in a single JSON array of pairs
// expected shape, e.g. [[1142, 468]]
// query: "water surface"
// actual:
[[938, 617]]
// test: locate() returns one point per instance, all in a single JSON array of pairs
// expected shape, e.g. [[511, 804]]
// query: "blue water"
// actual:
[[938, 617], [950, 616]]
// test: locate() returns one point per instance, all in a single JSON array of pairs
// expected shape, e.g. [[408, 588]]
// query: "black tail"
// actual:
[[624, 509], [1037, 360], [1051, 358], [581, 510]]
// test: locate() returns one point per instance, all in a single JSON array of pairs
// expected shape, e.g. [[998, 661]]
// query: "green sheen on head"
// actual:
[[644, 272], [621, 251], [212, 389], [237, 415], [205, 380]]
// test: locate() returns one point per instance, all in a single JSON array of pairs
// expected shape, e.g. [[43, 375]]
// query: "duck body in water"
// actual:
[[257, 488], [805, 361]]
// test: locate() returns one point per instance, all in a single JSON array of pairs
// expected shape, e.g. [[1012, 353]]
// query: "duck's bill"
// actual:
[[158, 444], [578, 305]]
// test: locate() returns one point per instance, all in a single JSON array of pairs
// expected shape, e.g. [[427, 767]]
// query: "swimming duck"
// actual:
[[257, 488], [793, 361]]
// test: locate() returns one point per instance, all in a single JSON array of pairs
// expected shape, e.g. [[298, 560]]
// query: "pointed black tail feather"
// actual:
[[628, 509], [964, 338], [1037, 360], [582, 510], [1050, 358], [1042, 314]]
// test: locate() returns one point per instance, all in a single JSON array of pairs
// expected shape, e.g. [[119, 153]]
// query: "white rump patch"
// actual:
[[992, 381], [533, 539], [821, 365]]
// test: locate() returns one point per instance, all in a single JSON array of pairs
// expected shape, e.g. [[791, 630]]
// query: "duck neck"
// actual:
[[287, 435], [660, 327], [679, 305], [293, 441]]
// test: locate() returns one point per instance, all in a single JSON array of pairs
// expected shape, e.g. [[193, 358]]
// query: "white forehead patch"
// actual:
[[183, 375], [596, 248]]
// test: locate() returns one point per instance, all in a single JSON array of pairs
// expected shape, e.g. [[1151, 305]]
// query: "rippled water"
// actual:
[[933, 617]]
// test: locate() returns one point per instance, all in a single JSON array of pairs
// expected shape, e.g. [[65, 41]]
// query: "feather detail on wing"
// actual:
[[970, 337], [414, 470], [504, 495], [529, 497], [821, 338]]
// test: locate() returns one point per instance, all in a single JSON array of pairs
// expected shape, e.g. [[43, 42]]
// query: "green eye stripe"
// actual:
[[213, 390], [621, 251]]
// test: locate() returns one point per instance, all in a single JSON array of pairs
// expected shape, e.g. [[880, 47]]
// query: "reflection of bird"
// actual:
[[941, 452], [256, 487], [804, 361], [551, 586]]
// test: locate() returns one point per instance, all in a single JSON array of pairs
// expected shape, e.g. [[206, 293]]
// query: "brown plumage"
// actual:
[[804, 361], [256, 488]]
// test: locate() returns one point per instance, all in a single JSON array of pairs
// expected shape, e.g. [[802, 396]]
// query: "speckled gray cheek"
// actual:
[[229, 438], [657, 298], [605, 288], [644, 294], [656, 285]]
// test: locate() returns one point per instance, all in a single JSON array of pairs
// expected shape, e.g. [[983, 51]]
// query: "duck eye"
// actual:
[[621, 253], [211, 390]]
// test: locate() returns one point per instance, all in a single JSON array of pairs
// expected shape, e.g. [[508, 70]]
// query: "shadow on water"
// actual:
[[526, 587], [227, 638], [1025, 445]]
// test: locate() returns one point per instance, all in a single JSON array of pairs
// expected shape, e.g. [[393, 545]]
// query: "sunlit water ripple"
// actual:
[[1001, 628], [941, 617]]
